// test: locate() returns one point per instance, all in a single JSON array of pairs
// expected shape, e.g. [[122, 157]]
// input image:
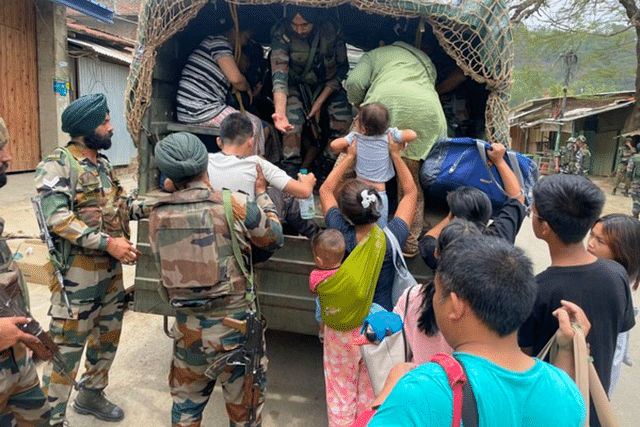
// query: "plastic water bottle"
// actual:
[[308, 205]]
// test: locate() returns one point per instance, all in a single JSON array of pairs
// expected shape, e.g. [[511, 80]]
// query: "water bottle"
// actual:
[[308, 205]]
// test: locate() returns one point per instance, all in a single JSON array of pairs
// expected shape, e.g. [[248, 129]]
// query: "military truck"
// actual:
[[472, 35]]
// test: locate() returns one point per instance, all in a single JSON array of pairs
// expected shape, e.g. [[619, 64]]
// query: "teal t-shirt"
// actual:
[[541, 396]]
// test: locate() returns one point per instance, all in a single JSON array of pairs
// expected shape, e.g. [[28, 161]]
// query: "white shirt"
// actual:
[[239, 174]]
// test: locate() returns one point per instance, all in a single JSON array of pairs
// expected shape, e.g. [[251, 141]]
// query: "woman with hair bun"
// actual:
[[354, 213]]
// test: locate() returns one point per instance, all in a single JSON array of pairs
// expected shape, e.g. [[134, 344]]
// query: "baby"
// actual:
[[373, 162], [328, 247]]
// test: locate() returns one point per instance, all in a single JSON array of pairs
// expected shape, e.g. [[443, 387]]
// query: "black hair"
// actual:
[[235, 129], [494, 277], [570, 204], [622, 234], [329, 243], [350, 202], [373, 118], [456, 229], [471, 204]]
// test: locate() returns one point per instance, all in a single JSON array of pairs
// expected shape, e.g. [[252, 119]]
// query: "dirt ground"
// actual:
[[614, 204]]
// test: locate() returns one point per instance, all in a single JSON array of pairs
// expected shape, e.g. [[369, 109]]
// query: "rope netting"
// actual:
[[476, 34]]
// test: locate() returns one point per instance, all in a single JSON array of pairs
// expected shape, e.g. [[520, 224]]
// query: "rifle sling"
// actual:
[[228, 213]]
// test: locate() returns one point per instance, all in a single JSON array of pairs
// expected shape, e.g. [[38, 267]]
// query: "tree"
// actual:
[[601, 17]]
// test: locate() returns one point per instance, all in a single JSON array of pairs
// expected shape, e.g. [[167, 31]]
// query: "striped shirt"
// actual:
[[203, 87]]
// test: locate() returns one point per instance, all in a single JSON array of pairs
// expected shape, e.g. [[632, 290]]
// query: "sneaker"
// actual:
[[94, 402], [410, 248]]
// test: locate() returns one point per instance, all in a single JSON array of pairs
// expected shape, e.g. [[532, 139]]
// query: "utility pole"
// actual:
[[569, 60]]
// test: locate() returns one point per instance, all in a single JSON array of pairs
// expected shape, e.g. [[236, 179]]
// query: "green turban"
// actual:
[[181, 155], [4, 134], [84, 115]]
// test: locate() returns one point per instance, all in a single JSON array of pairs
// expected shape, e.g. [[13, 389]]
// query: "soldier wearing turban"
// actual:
[[205, 288], [87, 209]]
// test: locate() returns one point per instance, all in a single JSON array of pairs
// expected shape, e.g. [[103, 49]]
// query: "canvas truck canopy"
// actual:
[[474, 35]]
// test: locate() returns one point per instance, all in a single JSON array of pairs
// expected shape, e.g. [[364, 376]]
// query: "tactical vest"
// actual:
[[107, 212], [11, 280], [324, 58], [190, 240]]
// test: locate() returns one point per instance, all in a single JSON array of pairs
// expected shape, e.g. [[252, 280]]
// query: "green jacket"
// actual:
[[402, 77]]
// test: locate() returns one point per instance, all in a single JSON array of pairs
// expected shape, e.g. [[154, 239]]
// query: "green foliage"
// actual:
[[605, 63]]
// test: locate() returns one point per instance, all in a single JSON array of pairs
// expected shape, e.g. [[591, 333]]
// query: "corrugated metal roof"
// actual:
[[105, 51], [90, 8]]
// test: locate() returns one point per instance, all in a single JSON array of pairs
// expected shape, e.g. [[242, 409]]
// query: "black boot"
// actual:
[[93, 402]]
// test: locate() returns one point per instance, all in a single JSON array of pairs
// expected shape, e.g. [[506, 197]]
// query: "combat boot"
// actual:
[[613, 192], [93, 402]]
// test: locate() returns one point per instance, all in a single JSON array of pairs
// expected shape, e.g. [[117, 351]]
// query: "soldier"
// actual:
[[22, 402], [565, 157], [624, 153], [308, 53], [205, 288], [583, 157], [86, 208], [633, 170]]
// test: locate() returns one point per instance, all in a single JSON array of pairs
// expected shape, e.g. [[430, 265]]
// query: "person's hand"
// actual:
[[395, 147], [567, 314], [123, 250], [281, 122], [315, 110], [261, 183], [307, 178], [556, 169], [10, 333], [496, 154], [352, 149]]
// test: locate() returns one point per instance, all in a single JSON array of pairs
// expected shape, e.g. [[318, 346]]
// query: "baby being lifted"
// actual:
[[373, 136]]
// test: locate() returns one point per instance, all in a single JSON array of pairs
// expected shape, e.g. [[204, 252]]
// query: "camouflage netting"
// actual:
[[476, 34]]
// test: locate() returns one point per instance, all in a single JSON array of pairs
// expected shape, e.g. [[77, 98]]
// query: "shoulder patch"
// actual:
[[51, 183]]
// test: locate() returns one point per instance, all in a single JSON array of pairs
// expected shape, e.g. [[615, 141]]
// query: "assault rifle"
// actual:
[[307, 104], [54, 254], [248, 355], [46, 348]]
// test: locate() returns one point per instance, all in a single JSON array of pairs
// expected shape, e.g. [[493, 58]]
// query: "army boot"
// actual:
[[94, 402]]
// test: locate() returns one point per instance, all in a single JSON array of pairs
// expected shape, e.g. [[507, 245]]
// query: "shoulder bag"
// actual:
[[402, 278], [391, 350], [586, 378]]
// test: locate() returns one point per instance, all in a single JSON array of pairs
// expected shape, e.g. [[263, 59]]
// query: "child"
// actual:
[[328, 248], [373, 163], [234, 167], [617, 237]]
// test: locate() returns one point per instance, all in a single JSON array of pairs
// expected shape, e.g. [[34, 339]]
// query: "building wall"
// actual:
[[97, 76], [19, 83], [53, 73]]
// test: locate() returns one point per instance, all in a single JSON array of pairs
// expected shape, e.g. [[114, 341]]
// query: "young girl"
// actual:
[[617, 237], [373, 163]]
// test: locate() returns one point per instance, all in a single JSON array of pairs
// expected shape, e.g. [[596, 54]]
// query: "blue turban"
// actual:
[[84, 115], [181, 155]]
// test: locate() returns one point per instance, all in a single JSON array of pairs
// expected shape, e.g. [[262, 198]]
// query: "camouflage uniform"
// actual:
[[633, 170], [624, 153], [22, 402], [94, 279], [289, 56], [566, 159], [200, 338], [582, 161]]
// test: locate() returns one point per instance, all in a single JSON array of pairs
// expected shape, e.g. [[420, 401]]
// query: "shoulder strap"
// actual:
[[408, 353], [228, 213], [74, 173], [465, 406], [398, 259], [312, 53], [426, 68]]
